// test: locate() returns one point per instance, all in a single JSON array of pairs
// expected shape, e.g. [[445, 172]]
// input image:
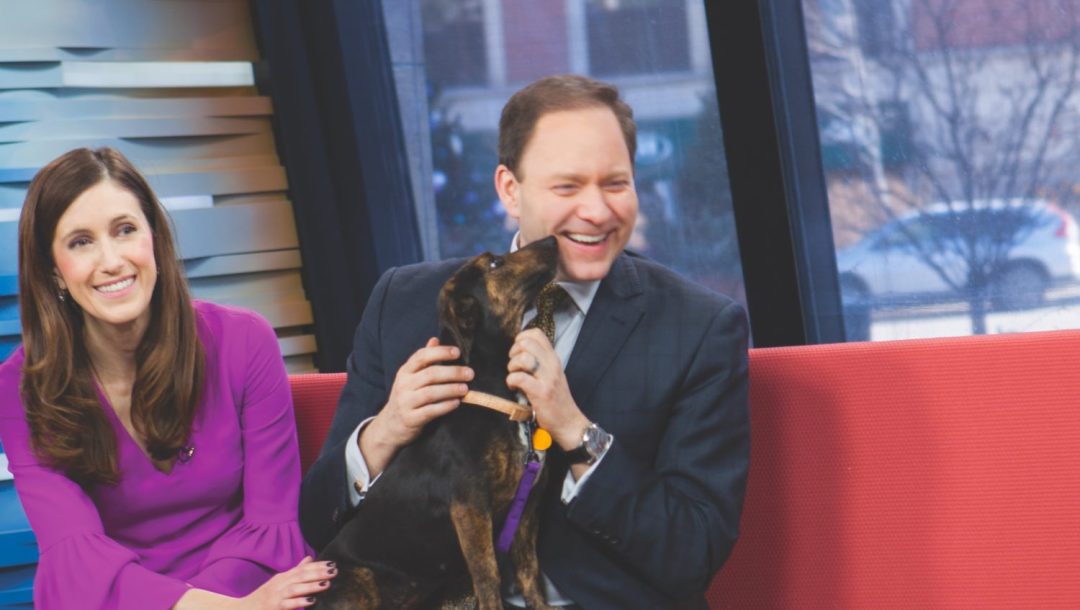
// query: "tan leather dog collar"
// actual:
[[515, 411]]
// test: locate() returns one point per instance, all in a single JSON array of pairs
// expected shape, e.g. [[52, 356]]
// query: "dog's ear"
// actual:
[[459, 316], [462, 319]]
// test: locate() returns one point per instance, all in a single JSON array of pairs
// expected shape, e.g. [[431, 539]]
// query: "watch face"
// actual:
[[596, 440]]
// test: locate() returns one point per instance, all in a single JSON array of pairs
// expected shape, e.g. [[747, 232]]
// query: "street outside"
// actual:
[[1061, 310]]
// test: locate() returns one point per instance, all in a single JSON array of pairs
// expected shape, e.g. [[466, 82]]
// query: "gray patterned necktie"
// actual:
[[552, 297]]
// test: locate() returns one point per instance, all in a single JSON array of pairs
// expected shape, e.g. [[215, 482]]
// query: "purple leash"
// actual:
[[513, 518]]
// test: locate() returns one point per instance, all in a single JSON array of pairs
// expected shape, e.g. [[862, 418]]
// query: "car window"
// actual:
[[903, 234]]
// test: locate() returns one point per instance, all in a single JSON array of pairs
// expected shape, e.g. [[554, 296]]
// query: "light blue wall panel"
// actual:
[[230, 182], [175, 148], [240, 263], [43, 105], [9, 253], [127, 75], [235, 229], [89, 128], [189, 29]]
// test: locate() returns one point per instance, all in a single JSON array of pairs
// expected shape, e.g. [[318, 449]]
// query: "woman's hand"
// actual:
[[295, 588]]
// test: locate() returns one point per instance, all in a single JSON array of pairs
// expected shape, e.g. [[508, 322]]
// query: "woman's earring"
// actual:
[[60, 294]]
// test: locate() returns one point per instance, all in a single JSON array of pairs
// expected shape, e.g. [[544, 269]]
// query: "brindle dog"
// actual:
[[425, 531]]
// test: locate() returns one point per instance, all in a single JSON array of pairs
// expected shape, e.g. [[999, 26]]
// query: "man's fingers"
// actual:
[[523, 361], [430, 354], [534, 334], [523, 382], [439, 393], [434, 375], [529, 341], [438, 409]]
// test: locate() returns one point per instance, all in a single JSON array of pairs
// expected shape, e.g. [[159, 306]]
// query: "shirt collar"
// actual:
[[581, 293]]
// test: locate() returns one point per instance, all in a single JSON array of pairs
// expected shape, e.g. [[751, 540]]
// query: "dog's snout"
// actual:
[[542, 254], [549, 243], [549, 246]]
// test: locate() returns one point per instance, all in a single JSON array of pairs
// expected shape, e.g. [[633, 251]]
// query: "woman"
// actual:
[[152, 439]]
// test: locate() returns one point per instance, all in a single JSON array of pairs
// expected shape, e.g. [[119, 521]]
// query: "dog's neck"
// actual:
[[488, 360]]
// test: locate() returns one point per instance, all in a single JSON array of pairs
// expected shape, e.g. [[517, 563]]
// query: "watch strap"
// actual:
[[579, 455]]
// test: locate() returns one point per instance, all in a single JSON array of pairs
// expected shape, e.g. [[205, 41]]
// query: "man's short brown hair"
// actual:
[[555, 94]]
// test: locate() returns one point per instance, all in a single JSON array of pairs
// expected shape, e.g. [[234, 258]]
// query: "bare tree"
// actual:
[[984, 95]]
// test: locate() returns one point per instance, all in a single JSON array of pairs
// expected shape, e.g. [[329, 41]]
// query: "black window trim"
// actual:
[[763, 82]]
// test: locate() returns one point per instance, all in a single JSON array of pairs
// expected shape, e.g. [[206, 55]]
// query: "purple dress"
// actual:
[[225, 520]]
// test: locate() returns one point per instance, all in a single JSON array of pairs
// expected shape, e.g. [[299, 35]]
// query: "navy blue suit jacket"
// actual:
[[661, 364]]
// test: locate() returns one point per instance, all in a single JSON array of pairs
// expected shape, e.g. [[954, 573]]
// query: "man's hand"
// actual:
[[423, 390], [535, 370]]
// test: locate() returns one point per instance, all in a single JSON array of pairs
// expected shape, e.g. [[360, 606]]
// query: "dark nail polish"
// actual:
[[332, 571], [324, 583], [330, 564], [311, 599]]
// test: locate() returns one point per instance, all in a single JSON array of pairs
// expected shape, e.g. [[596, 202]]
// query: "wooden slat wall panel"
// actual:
[[34, 105], [36, 154], [169, 83], [125, 75], [188, 29]]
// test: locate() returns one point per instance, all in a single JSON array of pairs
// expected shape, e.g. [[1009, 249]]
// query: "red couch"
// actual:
[[938, 473]]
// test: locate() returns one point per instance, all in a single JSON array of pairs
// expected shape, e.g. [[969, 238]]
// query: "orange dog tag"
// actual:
[[541, 439]]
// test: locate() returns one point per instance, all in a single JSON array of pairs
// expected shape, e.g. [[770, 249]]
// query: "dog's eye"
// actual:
[[495, 263]]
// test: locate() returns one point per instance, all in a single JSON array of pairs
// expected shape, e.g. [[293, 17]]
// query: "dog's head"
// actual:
[[481, 305]]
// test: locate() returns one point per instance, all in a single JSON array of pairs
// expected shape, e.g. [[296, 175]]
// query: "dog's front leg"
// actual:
[[474, 532]]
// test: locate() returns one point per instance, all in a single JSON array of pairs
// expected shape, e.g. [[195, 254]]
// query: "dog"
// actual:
[[423, 537]]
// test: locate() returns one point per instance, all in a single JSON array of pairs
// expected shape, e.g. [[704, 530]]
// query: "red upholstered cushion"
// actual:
[[315, 397], [912, 474]]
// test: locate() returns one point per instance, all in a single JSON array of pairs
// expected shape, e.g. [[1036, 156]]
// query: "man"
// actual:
[[651, 410]]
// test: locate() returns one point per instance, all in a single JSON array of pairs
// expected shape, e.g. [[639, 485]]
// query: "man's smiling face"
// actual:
[[575, 181]]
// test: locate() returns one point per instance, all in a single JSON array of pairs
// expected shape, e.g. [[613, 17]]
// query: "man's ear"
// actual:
[[509, 190]]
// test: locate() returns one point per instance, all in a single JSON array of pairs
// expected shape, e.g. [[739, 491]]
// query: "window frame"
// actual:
[[762, 72]]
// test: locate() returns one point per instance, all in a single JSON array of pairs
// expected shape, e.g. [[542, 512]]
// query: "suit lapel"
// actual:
[[615, 311]]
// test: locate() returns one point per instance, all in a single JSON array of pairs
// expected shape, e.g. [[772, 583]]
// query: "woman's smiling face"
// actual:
[[103, 250]]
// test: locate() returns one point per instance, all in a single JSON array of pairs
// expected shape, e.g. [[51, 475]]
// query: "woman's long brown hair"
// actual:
[[68, 425]]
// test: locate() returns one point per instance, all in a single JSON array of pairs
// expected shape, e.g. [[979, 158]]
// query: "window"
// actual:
[[454, 40], [949, 146], [876, 26], [636, 36], [658, 55]]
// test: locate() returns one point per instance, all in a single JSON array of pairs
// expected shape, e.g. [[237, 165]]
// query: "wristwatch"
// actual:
[[594, 442]]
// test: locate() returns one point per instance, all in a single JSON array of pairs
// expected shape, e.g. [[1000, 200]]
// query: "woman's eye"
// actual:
[[78, 242], [127, 229]]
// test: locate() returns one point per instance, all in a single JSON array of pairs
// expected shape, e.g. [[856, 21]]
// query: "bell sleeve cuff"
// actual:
[[93, 571], [248, 554]]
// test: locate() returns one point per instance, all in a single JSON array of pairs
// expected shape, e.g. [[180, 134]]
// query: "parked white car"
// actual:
[[1021, 246]]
